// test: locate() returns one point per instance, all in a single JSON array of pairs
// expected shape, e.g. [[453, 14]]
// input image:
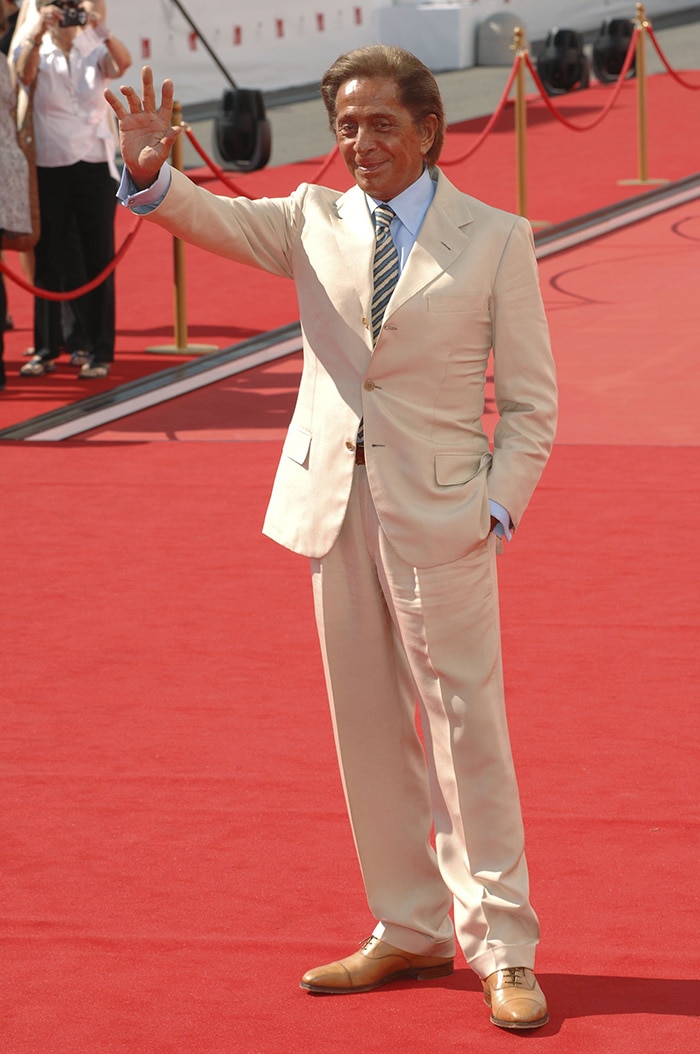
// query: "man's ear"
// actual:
[[429, 127]]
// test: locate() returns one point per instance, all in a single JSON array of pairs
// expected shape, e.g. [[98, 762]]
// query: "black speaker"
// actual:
[[610, 49], [242, 132], [563, 65]]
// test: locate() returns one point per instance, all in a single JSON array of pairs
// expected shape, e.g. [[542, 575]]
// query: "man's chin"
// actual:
[[373, 183]]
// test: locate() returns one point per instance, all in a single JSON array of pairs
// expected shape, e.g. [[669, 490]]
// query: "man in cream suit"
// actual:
[[387, 483]]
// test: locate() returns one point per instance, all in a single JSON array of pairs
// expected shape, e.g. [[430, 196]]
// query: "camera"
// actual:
[[72, 14]]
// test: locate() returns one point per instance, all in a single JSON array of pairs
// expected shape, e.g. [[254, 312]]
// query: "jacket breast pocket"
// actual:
[[453, 470], [297, 444], [442, 303], [461, 325]]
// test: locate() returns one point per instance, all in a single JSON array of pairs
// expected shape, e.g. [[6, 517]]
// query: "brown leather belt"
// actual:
[[359, 454]]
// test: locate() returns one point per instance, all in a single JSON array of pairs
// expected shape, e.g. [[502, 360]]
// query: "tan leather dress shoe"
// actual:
[[515, 998], [376, 963]]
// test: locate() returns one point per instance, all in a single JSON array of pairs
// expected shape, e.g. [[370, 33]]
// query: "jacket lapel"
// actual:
[[441, 241], [354, 234]]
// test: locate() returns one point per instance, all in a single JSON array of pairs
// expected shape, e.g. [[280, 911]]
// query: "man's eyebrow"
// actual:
[[388, 114]]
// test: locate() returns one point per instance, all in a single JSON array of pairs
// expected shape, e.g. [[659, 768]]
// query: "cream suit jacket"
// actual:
[[470, 285]]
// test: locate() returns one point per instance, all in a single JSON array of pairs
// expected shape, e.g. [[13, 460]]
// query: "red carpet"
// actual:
[[177, 849], [176, 846]]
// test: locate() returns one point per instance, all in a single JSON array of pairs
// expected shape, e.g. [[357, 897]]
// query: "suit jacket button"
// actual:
[[369, 386], [349, 445]]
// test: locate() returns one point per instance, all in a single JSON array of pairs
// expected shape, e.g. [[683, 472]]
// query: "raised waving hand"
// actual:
[[146, 134]]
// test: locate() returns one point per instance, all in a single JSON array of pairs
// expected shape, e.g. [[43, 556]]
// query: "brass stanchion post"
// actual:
[[180, 280], [521, 122], [520, 47], [181, 346], [641, 64], [641, 24]]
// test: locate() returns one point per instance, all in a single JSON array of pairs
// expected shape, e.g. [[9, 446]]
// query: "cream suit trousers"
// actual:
[[392, 634]]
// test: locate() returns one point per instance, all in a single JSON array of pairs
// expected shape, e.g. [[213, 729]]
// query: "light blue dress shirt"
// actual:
[[410, 207]]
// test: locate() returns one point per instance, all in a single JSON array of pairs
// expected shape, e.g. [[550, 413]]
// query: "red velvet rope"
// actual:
[[330, 158], [216, 169], [49, 294], [609, 105], [445, 162], [220, 174], [499, 109], [676, 77]]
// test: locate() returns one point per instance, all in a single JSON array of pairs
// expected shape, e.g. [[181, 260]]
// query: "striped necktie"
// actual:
[[385, 271], [385, 274]]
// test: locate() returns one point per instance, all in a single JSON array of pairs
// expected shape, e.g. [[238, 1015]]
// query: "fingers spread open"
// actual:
[[147, 90], [115, 103], [166, 105], [132, 98]]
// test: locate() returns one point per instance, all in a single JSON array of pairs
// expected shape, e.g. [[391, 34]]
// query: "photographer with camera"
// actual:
[[65, 60]]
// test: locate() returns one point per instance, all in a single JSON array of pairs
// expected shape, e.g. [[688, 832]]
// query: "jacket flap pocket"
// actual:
[[296, 445], [453, 469]]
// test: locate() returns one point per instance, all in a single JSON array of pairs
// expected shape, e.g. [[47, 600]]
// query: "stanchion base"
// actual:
[[189, 349], [640, 182]]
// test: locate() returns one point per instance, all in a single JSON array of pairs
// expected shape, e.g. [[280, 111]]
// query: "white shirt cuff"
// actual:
[[503, 527]]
